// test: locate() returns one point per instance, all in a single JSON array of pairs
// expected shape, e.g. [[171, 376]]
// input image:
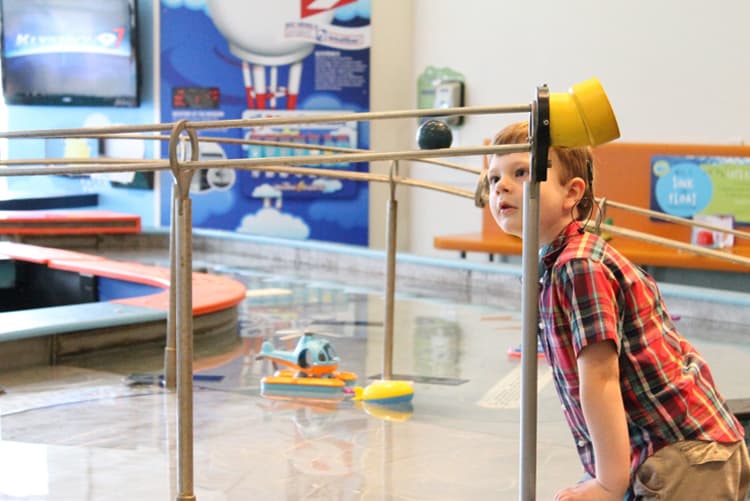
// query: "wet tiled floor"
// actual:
[[79, 432]]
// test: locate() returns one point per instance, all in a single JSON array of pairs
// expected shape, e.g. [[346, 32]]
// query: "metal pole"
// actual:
[[674, 219], [390, 274], [185, 352], [263, 122], [358, 116], [674, 244], [184, 314], [456, 151], [170, 350], [540, 141], [218, 140], [283, 163], [529, 313]]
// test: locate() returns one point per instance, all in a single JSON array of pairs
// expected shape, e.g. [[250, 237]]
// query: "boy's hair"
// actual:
[[574, 162]]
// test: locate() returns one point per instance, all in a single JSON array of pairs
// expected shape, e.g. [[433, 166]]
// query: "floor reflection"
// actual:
[[80, 432]]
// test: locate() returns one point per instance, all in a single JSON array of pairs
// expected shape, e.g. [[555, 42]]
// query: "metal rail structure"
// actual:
[[179, 347]]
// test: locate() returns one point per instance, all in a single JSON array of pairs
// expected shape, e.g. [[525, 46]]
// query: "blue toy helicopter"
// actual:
[[313, 356], [312, 367]]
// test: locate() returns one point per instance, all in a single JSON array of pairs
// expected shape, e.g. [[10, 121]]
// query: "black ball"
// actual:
[[434, 134]]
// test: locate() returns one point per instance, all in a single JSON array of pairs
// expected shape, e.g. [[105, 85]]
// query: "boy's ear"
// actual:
[[576, 189], [482, 190]]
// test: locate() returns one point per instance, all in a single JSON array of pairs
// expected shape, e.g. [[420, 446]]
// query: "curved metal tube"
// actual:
[[253, 122], [675, 219]]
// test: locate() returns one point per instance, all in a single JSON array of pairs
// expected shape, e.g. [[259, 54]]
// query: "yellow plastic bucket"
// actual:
[[582, 116]]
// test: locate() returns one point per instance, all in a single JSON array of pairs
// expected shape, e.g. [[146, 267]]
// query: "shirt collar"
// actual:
[[553, 249]]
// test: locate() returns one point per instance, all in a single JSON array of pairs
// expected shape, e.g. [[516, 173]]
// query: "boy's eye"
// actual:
[[494, 179], [522, 172]]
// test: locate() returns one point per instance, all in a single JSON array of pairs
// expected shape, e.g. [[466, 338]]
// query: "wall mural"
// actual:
[[231, 59]]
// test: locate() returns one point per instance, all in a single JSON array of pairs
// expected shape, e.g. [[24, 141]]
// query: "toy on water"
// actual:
[[385, 392], [434, 134], [311, 369], [288, 383], [310, 373]]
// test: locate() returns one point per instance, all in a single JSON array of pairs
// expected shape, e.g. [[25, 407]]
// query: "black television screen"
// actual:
[[70, 52]]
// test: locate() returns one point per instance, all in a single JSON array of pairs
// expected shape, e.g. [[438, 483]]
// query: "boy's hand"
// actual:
[[590, 490]]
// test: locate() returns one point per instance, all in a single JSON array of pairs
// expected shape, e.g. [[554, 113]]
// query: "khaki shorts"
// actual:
[[695, 470]]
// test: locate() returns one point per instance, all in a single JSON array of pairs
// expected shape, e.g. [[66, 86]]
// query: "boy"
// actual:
[[639, 399]]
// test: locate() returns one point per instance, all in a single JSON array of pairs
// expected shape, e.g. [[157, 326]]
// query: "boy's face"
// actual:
[[506, 176]]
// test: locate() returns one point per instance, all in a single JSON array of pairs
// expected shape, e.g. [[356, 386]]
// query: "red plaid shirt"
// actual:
[[591, 293]]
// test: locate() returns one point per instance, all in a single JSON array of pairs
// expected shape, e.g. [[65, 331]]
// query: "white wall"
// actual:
[[391, 84], [675, 71]]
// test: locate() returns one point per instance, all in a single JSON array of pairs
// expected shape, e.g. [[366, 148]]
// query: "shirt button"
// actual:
[[581, 443], [541, 325]]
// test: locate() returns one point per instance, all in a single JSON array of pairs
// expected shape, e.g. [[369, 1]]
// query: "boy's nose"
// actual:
[[502, 184]]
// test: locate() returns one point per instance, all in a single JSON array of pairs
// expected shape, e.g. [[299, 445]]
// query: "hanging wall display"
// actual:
[[691, 186], [240, 59]]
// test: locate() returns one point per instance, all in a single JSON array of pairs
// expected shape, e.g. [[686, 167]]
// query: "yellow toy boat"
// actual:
[[385, 392]]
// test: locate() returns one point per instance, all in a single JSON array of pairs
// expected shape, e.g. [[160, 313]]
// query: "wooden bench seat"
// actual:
[[78, 222], [642, 253]]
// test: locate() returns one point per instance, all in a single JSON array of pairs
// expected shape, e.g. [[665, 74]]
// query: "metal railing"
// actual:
[[179, 347]]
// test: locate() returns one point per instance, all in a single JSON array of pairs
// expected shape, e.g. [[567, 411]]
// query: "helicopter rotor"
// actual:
[[286, 334]]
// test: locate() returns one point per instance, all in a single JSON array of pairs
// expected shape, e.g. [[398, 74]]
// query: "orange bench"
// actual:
[[84, 222], [120, 317], [211, 293], [623, 175]]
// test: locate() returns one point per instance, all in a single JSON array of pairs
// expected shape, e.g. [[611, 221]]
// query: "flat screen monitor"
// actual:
[[70, 52]]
